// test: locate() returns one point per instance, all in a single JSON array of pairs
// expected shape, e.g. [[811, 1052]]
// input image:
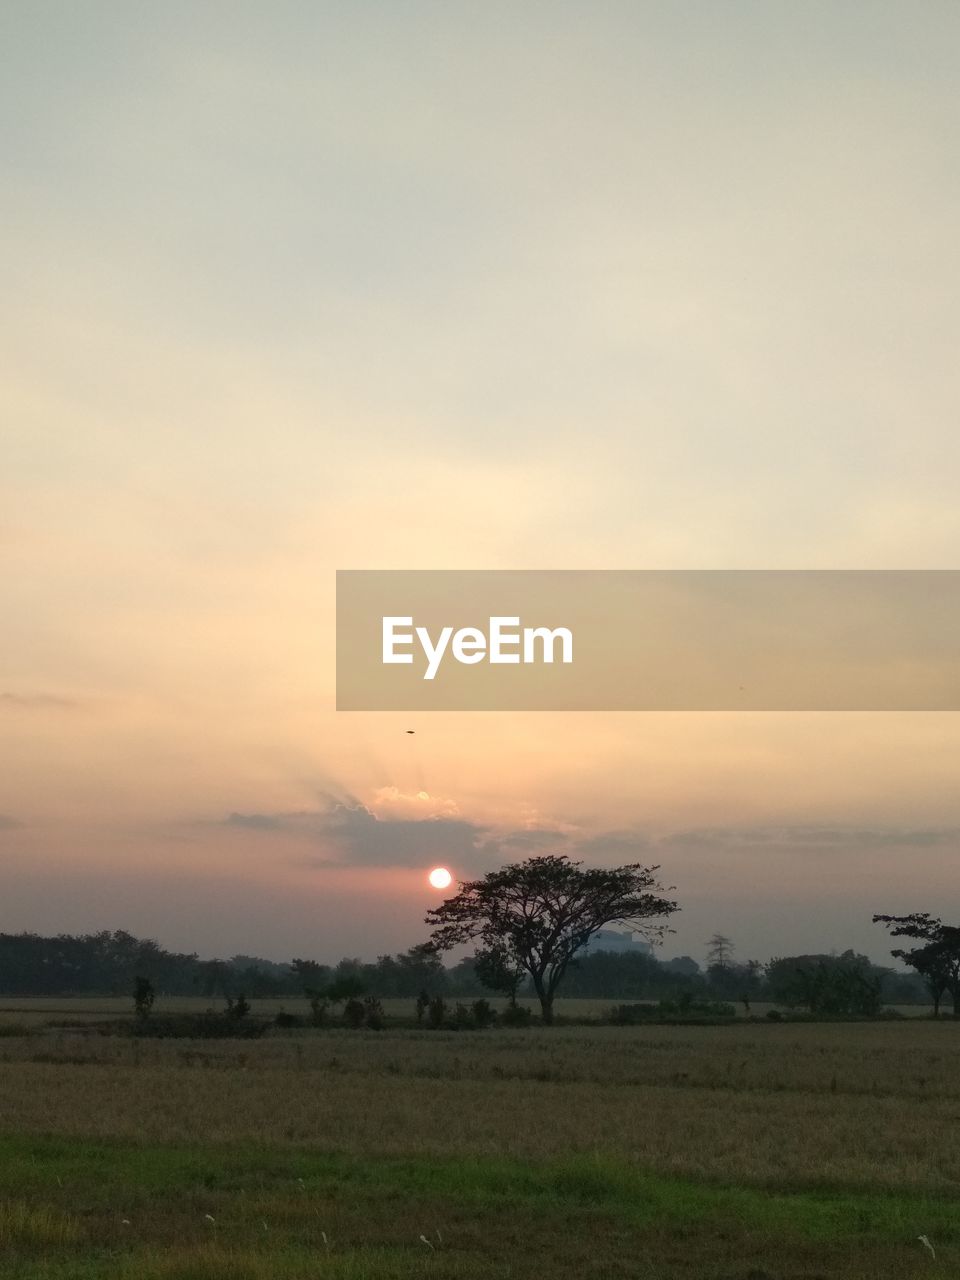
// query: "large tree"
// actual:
[[543, 911], [937, 959]]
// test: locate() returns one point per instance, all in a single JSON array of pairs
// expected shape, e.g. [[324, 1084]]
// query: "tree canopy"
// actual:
[[543, 911], [936, 960]]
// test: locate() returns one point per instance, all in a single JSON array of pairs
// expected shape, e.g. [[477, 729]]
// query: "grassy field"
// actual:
[[738, 1152]]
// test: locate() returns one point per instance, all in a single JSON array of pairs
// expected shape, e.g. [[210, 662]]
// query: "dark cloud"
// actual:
[[355, 836], [9, 824], [365, 839], [348, 833], [255, 821]]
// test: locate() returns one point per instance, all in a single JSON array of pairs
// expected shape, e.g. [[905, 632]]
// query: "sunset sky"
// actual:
[[301, 287]]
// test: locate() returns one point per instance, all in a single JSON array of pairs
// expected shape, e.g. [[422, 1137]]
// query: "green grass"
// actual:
[[63, 1204]]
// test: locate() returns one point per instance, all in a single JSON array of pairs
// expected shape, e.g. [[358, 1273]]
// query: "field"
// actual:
[[743, 1152]]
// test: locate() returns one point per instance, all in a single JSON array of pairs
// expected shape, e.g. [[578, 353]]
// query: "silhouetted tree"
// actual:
[[837, 985], [143, 997], [720, 951], [348, 987], [495, 969], [937, 959], [237, 1009], [543, 911]]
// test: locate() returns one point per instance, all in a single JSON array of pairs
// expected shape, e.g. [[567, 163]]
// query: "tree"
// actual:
[[417, 969], [543, 911], [847, 984], [937, 959], [496, 969], [720, 951], [143, 997], [348, 987], [310, 974], [423, 1004], [237, 1009]]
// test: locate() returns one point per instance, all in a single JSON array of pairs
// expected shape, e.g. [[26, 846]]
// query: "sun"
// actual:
[[440, 877]]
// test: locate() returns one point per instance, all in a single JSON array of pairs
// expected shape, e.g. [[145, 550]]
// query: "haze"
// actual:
[[309, 287]]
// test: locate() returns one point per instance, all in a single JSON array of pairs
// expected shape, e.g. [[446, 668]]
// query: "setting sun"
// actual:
[[440, 877]]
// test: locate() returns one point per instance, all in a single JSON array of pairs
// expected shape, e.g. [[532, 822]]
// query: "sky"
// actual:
[[303, 287]]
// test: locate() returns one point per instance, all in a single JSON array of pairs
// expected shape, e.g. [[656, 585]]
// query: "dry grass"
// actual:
[[861, 1105], [742, 1152], [915, 1061]]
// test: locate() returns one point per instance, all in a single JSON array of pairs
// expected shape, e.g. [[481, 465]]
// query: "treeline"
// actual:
[[104, 964]]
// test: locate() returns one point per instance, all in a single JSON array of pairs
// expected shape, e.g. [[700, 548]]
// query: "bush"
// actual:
[[373, 1013], [143, 997], [437, 1012], [354, 1013], [319, 1004], [284, 1019], [516, 1015], [683, 1010], [236, 1010], [462, 1017], [484, 1015]]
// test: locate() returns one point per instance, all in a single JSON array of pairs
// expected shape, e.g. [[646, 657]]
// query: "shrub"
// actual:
[[423, 1004], [437, 1012], [284, 1019], [516, 1015], [462, 1017], [373, 1013], [238, 1009], [354, 1012], [318, 1006], [483, 1013], [143, 997], [683, 1010]]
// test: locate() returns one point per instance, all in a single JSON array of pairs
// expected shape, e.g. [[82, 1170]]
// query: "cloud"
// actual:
[[407, 830], [399, 829], [391, 802], [256, 821], [7, 823], [36, 702], [351, 834]]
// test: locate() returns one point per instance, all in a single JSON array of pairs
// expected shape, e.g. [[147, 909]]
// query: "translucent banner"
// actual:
[[646, 640]]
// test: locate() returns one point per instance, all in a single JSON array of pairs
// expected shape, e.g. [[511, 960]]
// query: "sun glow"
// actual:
[[440, 877]]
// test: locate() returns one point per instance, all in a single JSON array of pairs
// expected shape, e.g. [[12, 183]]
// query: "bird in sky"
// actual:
[[411, 731]]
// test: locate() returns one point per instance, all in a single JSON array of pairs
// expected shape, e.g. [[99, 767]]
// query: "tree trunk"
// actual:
[[545, 996]]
